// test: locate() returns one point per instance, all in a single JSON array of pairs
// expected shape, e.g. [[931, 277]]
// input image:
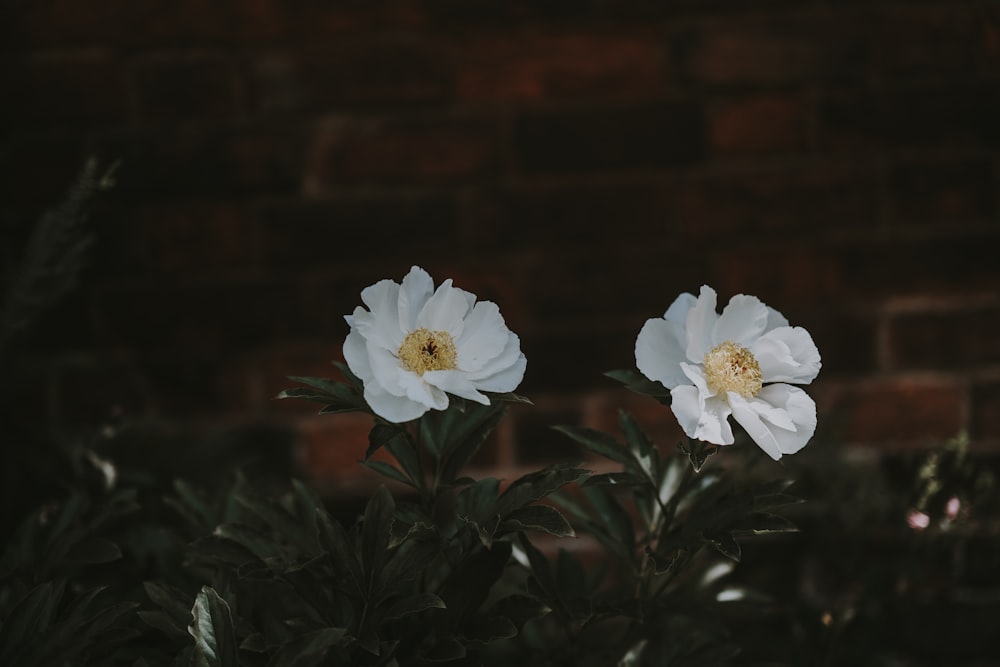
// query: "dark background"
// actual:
[[580, 163]]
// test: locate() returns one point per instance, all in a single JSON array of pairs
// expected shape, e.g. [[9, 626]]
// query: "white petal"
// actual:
[[696, 375], [787, 354], [700, 322], [418, 390], [750, 420], [678, 310], [386, 369], [455, 382], [356, 356], [380, 327], [741, 322], [484, 336], [781, 419], [396, 409], [659, 352], [775, 320], [800, 408], [417, 287], [445, 310], [701, 418], [506, 379], [507, 358]]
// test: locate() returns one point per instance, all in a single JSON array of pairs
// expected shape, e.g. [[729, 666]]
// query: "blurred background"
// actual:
[[578, 162]]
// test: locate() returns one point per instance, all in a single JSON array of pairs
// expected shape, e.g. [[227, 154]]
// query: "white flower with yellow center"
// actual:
[[414, 345], [737, 363]]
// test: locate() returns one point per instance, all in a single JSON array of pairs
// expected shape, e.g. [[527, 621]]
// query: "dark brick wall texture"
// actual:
[[579, 162]]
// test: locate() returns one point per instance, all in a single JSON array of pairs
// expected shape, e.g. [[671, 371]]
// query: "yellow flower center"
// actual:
[[424, 350], [731, 367]]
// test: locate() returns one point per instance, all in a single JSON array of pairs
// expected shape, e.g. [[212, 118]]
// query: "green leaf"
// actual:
[[164, 623], [337, 396], [597, 442], [307, 650], [536, 485], [411, 605], [642, 447], [465, 443], [94, 550], [538, 517], [639, 383], [336, 542], [478, 502], [616, 479], [697, 452], [351, 378], [520, 609], [726, 545], [170, 599], [764, 524], [511, 397], [466, 588], [32, 616], [485, 629], [771, 500], [376, 532], [212, 629], [390, 471], [305, 393]]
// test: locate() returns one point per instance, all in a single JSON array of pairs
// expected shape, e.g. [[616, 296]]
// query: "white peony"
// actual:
[[414, 345], [737, 363]]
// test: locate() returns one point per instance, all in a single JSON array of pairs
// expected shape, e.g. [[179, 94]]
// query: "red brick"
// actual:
[[986, 410], [778, 51], [847, 343], [370, 74], [38, 171], [564, 217], [126, 23], [941, 266], [808, 202], [186, 89], [406, 151], [353, 228], [67, 91], [759, 124], [933, 42], [537, 443], [961, 339], [180, 238], [947, 192], [531, 66], [202, 319], [892, 411], [97, 391], [188, 162], [575, 362], [574, 290], [332, 445], [617, 138], [956, 114], [785, 275]]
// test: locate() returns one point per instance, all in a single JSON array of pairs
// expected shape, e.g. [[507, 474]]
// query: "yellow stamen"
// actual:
[[424, 350], [731, 367]]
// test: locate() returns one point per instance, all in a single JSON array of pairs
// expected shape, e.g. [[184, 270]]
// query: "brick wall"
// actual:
[[578, 162]]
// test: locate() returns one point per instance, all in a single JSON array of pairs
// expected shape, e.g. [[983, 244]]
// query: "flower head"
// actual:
[[414, 345], [738, 363]]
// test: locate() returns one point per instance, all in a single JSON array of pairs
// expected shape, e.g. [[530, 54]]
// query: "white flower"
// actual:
[[415, 345], [736, 363]]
